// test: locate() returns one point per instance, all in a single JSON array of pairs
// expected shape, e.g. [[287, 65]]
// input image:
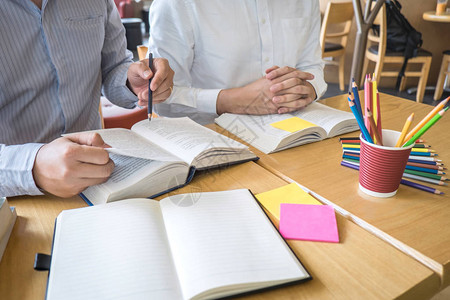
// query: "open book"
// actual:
[[190, 246], [158, 156], [258, 131]]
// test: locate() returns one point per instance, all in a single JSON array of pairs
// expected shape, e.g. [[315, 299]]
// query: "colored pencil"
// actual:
[[376, 107], [357, 142], [356, 96], [403, 181], [427, 170], [423, 153], [421, 162], [367, 102], [378, 139], [423, 174], [361, 125], [413, 168], [434, 167], [421, 187], [427, 118], [356, 138], [427, 126], [404, 130], [425, 179], [424, 150], [378, 118], [422, 146], [414, 149]]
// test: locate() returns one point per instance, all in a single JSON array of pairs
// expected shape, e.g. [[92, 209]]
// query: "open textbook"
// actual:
[[258, 131], [158, 156], [190, 246]]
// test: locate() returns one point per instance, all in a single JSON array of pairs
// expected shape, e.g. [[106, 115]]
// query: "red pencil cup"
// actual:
[[381, 167]]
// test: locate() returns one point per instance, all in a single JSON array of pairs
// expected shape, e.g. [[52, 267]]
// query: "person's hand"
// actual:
[[139, 74], [252, 99], [290, 87], [68, 165]]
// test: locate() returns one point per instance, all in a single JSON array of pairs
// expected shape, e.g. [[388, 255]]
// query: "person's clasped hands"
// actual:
[[290, 88]]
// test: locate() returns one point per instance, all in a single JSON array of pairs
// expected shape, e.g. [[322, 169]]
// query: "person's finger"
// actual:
[[283, 99], [294, 105], [87, 138], [140, 69], [92, 171], [285, 84], [271, 69], [162, 71], [291, 72], [301, 90], [85, 147]]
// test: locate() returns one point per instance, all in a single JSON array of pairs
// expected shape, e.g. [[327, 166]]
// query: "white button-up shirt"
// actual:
[[213, 45]]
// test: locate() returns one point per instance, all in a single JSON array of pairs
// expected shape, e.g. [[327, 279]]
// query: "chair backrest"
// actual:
[[142, 51], [379, 38], [337, 13]]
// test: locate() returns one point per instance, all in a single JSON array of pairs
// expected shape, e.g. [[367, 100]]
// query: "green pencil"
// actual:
[[425, 127], [423, 174]]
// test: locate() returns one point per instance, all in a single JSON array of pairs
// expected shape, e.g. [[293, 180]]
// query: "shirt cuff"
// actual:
[[318, 83], [207, 100], [16, 170]]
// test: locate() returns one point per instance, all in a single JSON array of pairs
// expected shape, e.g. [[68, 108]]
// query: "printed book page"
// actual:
[[185, 138]]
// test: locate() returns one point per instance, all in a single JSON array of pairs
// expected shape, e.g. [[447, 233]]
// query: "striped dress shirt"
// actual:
[[54, 62]]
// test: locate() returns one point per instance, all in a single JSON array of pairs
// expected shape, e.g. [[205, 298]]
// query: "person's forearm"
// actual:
[[250, 99]]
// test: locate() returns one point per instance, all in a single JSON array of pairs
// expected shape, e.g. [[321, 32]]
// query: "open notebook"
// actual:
[[191, 246]]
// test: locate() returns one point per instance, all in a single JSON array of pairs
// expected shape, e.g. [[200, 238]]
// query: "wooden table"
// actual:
[[416, 222], [361, 266], [431, 16]]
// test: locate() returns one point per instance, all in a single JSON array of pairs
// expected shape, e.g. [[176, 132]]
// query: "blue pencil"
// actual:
[[423, 153], [360, 121], [356, 96]]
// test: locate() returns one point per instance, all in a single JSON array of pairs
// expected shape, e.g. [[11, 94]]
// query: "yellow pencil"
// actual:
[[427, 118], [404, 130], [375, 100]]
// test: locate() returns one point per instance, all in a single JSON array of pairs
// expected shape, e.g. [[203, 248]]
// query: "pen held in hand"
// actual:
[[150, 93]]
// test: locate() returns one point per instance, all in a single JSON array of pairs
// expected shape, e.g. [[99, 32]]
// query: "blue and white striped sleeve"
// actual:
[[16, 165], [116, 60]]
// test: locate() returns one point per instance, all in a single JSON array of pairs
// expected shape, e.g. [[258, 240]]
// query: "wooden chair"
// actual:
[[376, 52], [337, 15], [441, 78]]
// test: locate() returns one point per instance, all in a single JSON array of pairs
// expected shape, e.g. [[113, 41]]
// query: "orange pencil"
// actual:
[[369, 115], [404, 130], [427, 118]]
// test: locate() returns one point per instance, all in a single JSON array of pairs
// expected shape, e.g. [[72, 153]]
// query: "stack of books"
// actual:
[[7, 219]]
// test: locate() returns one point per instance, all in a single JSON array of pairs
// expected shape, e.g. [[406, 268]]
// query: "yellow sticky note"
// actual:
[[293, 124], [290, 193]]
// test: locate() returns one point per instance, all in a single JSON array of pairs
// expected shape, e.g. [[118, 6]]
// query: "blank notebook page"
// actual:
[[114, 251], [224, 240]]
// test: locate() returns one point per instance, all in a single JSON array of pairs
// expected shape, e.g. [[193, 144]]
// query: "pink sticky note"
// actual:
[[308, 222]]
